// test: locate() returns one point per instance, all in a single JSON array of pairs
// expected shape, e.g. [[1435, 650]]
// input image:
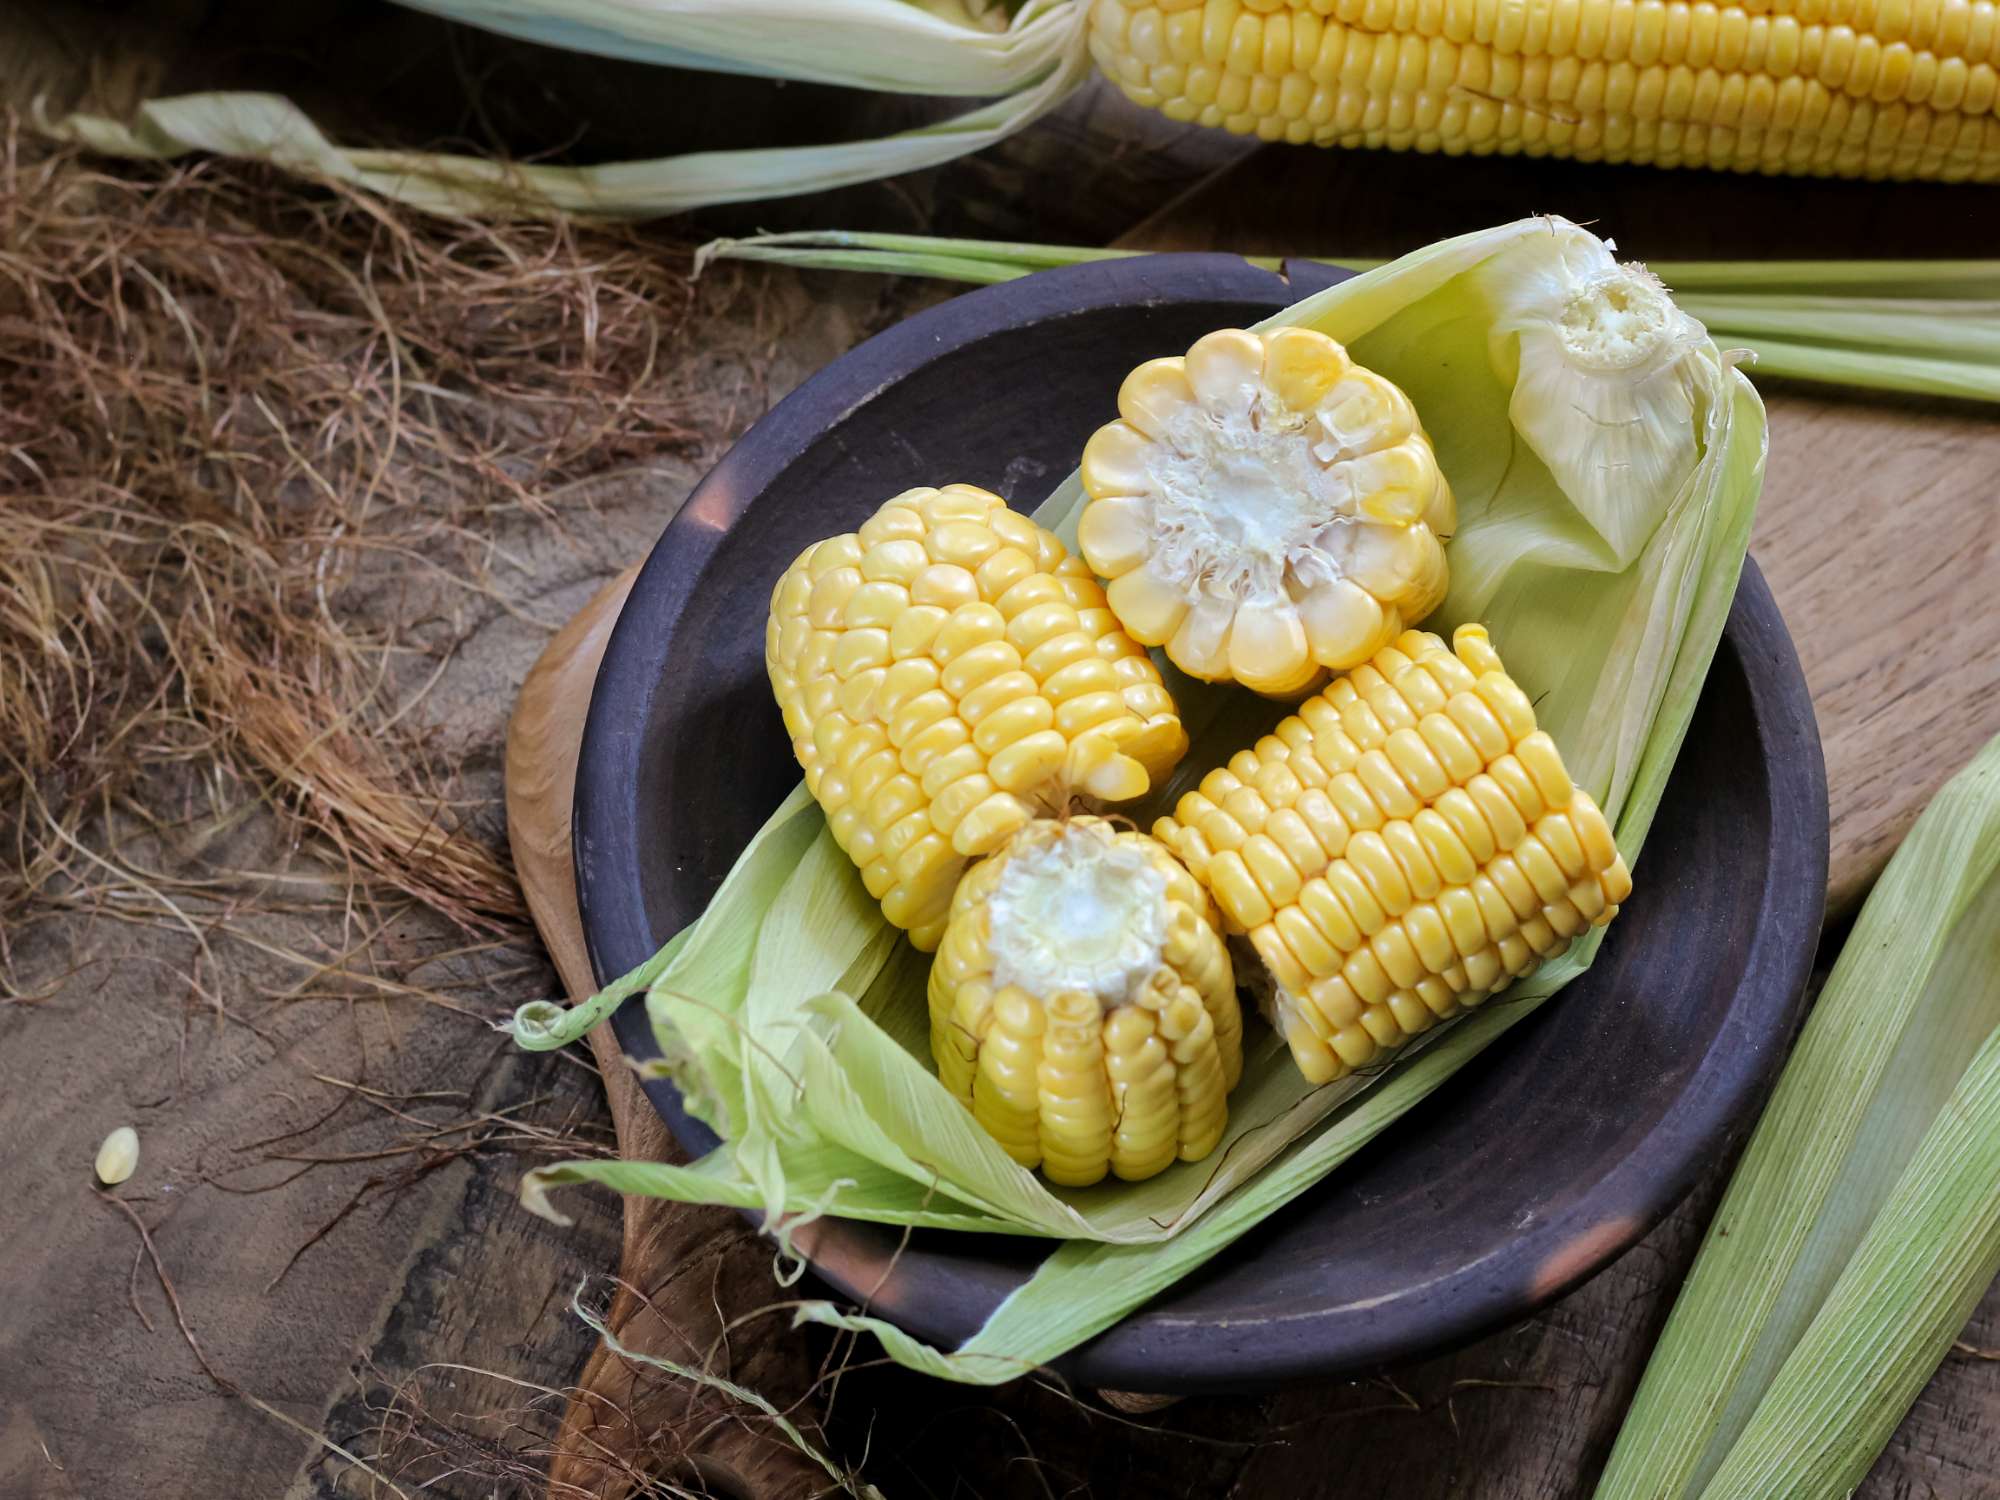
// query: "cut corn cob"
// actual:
[[1874, 88], [1083, 1005], [1265, 509], [1405, 845], [946, 674]]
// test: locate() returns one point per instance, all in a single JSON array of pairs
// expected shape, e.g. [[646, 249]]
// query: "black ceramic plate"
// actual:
[[1542, 1160]]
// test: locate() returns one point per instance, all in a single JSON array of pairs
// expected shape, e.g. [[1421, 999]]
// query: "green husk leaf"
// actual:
[[895, 46], [1863, 1222], [1031, 62], [1926, 327], [1919, 373], [794, 1020]]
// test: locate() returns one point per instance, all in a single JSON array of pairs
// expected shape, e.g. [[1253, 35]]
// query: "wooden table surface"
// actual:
[[1878, 535]]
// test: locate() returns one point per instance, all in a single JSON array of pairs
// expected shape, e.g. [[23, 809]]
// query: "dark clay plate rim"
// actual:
[[1155, 1348]]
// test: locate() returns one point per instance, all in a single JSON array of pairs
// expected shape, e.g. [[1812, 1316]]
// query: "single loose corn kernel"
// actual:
[[1414, 845], [118, 1157], [1266, 509], [1083, 1005], [947, 673]]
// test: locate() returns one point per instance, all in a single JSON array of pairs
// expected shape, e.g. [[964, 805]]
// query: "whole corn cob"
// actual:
[[1265, 509], [1083, 1004], [1854, 88], [1406, 844], [947, 673]]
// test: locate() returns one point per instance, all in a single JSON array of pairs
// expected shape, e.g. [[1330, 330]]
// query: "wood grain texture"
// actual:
[[425, 1327], [1880, 534], [658, 1308], [1880, 524]]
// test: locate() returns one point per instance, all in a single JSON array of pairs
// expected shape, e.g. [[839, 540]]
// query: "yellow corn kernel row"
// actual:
[[1340, 1009], [1406, 93], [946, 673], [1847, 46], [1069, 1082], [1722, 88], [1404, 845]]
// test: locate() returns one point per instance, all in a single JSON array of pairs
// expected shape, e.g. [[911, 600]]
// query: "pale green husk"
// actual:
[[1863, 1223], [1931, 327], [1026, 58], [793, 1017]]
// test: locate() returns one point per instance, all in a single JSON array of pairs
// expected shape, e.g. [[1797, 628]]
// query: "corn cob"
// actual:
[[1265, 509], [1853, 88], [947, 673], [1406, 844], [1083, 1005]]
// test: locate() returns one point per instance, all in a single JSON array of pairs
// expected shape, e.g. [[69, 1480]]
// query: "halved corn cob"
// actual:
[[1405, 845], [1875, 88], [947, 673], [1266, 509], [1083, 1005]]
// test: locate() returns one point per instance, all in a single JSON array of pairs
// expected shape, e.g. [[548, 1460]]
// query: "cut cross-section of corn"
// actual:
[[1083, 1004], [1405, 845], [1852, 88], [1266, 509], [948, 673]]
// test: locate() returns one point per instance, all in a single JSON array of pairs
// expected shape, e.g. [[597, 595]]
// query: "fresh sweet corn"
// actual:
[[1853, 88], [1408, 843], [947, 673], [1083, 1004], [1266, 509]]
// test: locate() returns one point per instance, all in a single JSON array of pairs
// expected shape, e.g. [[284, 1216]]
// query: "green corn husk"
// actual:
[[1928, 327], [1026, 55], [899, 46], [1863, 1224], [1602, 550]]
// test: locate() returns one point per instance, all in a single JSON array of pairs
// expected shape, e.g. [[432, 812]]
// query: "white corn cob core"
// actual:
[[1265, 509], [1075, 914]]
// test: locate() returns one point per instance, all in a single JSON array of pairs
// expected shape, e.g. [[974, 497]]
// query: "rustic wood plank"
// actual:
[[1878, 529], [660, 1308], [357, 1338]]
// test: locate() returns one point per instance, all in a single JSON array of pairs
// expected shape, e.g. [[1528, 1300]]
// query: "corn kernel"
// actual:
[[1476, 861], [920, 663]]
